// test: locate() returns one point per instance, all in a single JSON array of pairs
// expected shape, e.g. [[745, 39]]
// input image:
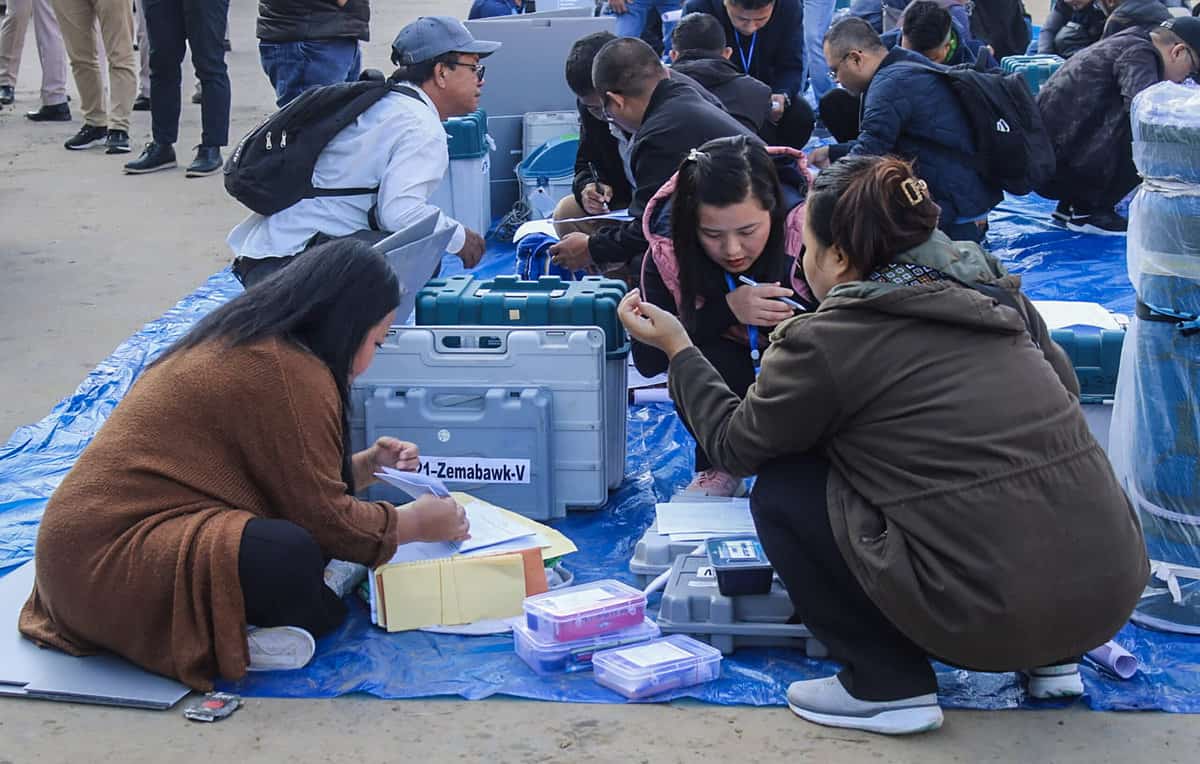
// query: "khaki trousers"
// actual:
[[51, 51], [77, 19]]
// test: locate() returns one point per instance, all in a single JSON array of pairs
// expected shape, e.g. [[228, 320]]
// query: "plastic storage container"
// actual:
[[586, 610], [540, 127], [1036, 69], [465, 192], [1166, 132], [549, 301], [549, 657], [741, 565], [546, 175], [568, 362], [655, 553], [1096, 355], [665, 664], [692, 604], [494, 443]]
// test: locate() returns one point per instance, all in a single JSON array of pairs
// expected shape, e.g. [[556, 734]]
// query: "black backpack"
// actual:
[[271, 168], [1012, 147]]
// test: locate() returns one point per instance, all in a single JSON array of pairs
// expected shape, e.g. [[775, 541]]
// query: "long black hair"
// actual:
[[721, 173], [325, 301]]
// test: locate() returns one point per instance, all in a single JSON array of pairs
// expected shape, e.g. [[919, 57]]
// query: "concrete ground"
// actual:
[[88, 255]]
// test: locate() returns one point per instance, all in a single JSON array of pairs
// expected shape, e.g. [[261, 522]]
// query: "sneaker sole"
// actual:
[[147, 171], [119, 150], [204, 174], [902, 721], [1055, 687], [1091, 229], [86, 146], [280, 648]]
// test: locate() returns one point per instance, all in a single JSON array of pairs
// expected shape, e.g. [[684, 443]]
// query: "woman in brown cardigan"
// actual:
[[216, 490]]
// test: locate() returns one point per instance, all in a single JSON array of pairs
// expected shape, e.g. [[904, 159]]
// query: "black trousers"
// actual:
[[173, 26], [794, 128], [732, 361], [1088, 197], [282, 572], [840, 114], [790, 513]]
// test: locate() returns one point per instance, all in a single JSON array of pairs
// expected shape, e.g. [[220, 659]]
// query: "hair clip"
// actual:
[[695, 154], [915, 191]]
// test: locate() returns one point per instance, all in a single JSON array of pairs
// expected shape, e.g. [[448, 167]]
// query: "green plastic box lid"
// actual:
[[466, 136]]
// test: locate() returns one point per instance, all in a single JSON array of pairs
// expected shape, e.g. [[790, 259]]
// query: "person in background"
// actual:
[[1003, 25], [603, 179], [175, 26], [642, 19], [190, 537], [912, 112], [927, 27], [767, 38], [1071, 26], [103, 124], [52, 55], [667, 116], [698, 50], [1123, 14], [728, 215], [1002, 541], [1085, 107], [142, 102], [818, 16], [485, 9], [304, 44], [397, 145]]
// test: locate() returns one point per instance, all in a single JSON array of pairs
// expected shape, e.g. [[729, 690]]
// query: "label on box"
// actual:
[[469, 469], [652, 655], [573, 602], [739, 550]]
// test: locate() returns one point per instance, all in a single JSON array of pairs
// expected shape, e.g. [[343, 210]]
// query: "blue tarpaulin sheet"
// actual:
[[361, 658]]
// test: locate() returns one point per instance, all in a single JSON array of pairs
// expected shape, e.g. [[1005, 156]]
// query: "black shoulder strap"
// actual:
[[1004, 297]]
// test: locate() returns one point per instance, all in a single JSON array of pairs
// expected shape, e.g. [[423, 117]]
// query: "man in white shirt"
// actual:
[[397, 145]]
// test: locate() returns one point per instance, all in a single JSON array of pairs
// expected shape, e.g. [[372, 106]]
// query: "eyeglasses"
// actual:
[[477, 68], [833, 70], [606, 115]]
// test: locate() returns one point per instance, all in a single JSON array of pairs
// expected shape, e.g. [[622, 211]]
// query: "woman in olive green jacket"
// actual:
[[927, 485]]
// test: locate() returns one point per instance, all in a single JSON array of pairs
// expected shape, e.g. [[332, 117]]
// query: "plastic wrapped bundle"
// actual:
[[1155, 437], [1166, 132]]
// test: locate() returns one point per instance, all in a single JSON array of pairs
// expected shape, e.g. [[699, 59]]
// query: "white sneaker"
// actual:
[[825, 701], [713, 482], [1049, 682], [279, 648]]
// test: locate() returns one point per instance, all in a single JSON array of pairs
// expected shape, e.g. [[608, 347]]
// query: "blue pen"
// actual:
[[785, 300]]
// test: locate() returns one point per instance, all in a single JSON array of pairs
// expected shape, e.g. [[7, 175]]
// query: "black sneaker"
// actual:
[[141, 103], [7, 95], [1106, 223], [59, 112], [88, 136], [117, 142], [1062, 213], [155, 157], [207, 162]]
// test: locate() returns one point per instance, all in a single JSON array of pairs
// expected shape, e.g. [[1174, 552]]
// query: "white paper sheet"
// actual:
[[413, 483], [491, 533], [696, 520], [1059, 314]]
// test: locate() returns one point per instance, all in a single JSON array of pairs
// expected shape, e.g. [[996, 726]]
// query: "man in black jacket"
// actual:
[[1124, 14], [1085, 106], [306, 43], [698, 50], [667, 117], [767, 39], [603, 180]]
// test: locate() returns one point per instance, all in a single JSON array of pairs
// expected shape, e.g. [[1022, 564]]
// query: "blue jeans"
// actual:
[[294, 67], [632, 22], [818, 15]]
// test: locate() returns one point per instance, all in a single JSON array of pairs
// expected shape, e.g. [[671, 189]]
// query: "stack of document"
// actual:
[[687, 519]]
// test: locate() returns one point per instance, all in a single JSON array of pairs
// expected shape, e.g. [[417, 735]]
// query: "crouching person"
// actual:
[[209, 501], [927, 485]]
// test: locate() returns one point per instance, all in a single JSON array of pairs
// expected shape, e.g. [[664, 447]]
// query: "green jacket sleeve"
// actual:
[[790, 409]]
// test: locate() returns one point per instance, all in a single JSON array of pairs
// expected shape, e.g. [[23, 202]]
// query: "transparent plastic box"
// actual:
[[641, 671], [586, 610], [550, 657]]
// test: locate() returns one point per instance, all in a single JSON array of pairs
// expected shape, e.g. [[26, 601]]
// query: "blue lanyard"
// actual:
[[746, 60], [752, 331]]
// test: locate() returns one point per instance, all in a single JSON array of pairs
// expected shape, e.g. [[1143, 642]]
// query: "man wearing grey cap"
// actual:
[[397, 145]]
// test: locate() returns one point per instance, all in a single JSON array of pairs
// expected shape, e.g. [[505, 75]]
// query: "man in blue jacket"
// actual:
[[767, 37], [909, 110]]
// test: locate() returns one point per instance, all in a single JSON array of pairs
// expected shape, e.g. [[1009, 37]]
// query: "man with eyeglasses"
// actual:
[[398, 146], [1085, 107]]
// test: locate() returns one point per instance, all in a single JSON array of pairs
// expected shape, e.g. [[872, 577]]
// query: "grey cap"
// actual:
[[430, 36]]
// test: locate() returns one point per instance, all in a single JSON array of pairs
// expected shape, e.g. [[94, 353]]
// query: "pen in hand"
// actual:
[[596, 182], [785, 300]]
